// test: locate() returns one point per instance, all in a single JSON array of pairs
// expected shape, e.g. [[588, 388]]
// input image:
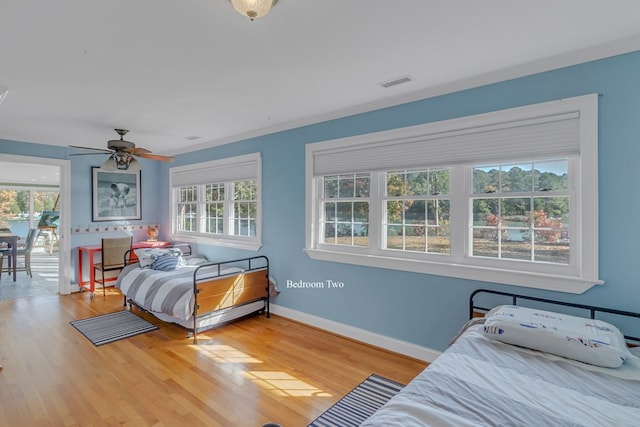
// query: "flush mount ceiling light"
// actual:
[[253, 8]]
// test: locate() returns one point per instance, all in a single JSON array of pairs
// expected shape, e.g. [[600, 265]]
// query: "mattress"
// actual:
[[216, 318], [478, 382], [168, 292]]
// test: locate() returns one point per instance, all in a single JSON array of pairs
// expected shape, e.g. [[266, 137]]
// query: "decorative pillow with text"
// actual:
[[578, 338], [149, 257]]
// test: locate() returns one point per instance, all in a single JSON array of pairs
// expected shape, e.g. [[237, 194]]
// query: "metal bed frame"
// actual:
[[262, 265]]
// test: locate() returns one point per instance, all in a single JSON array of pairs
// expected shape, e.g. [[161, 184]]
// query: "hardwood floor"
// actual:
[[246, 373]]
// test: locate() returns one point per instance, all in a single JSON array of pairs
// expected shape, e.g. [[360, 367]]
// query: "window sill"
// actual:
[[228, 243], [574, 285]]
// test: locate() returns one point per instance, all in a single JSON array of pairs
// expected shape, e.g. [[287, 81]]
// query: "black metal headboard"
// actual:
[[593, 310]]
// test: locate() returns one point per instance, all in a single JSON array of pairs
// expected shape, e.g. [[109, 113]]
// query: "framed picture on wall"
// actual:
[[116, 195]]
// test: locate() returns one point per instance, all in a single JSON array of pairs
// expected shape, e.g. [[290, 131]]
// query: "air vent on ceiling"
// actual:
[[397, 81]]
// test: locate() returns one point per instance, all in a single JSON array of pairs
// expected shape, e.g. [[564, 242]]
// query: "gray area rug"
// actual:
[[112, 327], [359, 404]]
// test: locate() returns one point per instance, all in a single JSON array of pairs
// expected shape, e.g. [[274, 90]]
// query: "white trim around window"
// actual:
[[566, 128], [223, 171]]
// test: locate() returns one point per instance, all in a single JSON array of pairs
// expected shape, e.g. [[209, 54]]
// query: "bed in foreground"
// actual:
[[482, 380], [198, 295]]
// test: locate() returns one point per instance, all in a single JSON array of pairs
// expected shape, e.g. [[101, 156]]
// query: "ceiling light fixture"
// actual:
[[121, 162], [253, 8]]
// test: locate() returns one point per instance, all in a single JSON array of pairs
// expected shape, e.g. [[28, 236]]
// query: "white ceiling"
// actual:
[[189, 74], [16, 175]]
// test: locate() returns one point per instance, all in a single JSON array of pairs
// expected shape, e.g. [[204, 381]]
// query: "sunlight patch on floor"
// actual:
[[225, 354], [235, 361], [284, 384]]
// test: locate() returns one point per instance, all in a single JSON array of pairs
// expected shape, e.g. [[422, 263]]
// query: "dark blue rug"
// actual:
[[112, 327], [359, 404]]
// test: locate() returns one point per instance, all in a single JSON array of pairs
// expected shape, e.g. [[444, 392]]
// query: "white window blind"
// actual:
[[236, 214], [241, 168], [428, 146]]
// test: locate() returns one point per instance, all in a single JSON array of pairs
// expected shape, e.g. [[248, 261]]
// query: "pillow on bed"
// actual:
[[166, 262], [586, 340], [147, 257]]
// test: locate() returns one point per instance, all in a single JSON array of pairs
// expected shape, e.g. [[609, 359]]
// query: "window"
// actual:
[[346, 210], [187, 208], [218, 202], [416, 208], [506, 197], [522, 211], [245, 208], [214, 207]]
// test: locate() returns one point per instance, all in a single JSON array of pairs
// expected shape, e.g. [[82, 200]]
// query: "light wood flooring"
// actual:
[[246, 373]]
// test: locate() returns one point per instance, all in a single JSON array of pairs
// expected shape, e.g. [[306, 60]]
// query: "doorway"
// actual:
[[33, 174]]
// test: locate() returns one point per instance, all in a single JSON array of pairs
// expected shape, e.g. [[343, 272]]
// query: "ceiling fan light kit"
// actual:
[[121, 162], [253, 8]]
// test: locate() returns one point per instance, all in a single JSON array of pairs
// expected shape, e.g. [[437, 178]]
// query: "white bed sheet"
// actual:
[[482, 382]]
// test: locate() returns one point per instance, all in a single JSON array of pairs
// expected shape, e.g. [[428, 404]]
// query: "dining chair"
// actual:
[[113, 257], [23, 251], [2, 244]]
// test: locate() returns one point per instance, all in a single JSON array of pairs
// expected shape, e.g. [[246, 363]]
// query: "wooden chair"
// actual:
[[113, 253], [23, 251]]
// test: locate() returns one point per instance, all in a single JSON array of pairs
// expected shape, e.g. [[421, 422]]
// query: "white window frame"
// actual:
[[579, 276], [228, 171]]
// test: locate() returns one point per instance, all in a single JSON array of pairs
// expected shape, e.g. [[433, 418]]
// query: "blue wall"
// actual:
[[428, 310], [423, 309], [81, 197]]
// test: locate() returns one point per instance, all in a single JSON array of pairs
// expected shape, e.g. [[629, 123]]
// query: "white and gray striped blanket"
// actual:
[[169, 292], [479, 382]]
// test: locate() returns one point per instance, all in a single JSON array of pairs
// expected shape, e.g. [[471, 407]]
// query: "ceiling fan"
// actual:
[[122, 154]]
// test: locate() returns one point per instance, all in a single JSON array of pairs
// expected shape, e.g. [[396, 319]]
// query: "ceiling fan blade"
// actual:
[[90, 154], [137, 151], [120, 148], [91, 148], [155, 157]]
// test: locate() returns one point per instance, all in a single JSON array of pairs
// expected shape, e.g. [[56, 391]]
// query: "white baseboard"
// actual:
[[387, 343]]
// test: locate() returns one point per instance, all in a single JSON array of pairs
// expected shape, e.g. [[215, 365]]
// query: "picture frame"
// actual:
[[116, 195]]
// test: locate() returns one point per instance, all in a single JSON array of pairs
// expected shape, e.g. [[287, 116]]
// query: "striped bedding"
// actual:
[[480, 382], [168, 292]]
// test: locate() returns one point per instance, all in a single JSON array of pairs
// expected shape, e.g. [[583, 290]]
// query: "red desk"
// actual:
[[91, 251]]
